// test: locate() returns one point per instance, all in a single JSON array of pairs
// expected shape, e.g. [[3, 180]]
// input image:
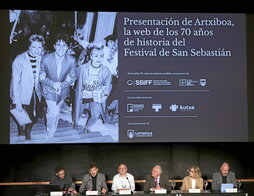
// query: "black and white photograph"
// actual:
[[63, 77]]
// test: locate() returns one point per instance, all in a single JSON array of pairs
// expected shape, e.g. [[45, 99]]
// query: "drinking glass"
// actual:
[[205, 184], [173, 184], [238, 185]]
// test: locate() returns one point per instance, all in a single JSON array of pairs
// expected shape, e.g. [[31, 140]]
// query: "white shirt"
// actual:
[[121, 182], [90, 83], [158, 181], [193, 183], [59, 63]]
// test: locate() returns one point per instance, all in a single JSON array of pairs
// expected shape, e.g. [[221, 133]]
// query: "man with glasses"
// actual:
[[123, 180]]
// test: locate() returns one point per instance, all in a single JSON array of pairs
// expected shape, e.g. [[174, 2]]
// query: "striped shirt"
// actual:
[[33, 63]]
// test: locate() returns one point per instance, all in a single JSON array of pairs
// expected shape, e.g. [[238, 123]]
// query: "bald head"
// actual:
[[224, 169]]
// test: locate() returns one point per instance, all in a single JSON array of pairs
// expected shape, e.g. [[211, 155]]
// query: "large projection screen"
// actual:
[[174, 77]]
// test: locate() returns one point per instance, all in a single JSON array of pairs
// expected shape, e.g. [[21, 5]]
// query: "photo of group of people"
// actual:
[[64, 76]]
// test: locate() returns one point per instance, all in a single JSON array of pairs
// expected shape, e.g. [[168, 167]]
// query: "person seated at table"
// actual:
[[223, 176], [157, 180], [64, 181], [93, 181], [193, 180], [123, 180]]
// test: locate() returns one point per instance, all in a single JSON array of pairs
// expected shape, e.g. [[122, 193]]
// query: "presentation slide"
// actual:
[[123, 77], [182, 77]]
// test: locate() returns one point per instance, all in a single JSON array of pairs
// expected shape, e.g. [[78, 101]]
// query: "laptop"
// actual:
[[225, 186]]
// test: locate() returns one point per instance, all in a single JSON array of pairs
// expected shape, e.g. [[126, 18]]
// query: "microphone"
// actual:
[[129, 184]]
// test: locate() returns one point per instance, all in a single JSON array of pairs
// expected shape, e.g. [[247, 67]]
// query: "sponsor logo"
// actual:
[[132, 133], [139, 82], [156, 107], [187, 82], [143, 82], [173, 107], [135, 107], [182, 108], [202, 82], [148, 83], [129, 107], [129, 82]]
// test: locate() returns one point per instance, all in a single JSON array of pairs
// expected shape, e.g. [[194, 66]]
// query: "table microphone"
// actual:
[[129, 184]]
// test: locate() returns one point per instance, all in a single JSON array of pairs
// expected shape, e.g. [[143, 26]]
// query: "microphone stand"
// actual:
[[129, 184]]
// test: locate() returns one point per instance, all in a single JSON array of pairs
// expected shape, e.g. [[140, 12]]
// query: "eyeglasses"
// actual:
[[122, 168]]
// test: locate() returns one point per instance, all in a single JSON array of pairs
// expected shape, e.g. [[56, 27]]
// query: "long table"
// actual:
[[44, 190], [185, 193]]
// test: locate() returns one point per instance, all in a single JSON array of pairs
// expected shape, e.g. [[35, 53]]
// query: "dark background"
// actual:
[[37, 162]]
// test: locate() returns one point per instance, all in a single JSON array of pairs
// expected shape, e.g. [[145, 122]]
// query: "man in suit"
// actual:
[[93, 181], [223, 176], [156, 180], [58, 72]]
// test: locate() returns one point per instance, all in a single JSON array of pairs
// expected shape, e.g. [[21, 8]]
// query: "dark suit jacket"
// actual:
[[217, 180], [150, 182], [87, 183]]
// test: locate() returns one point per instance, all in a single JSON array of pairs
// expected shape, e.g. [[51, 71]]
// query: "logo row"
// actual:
[[181, 82], [131, 107]]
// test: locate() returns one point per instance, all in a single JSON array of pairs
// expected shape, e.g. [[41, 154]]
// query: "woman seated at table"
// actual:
[[193, 180]]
